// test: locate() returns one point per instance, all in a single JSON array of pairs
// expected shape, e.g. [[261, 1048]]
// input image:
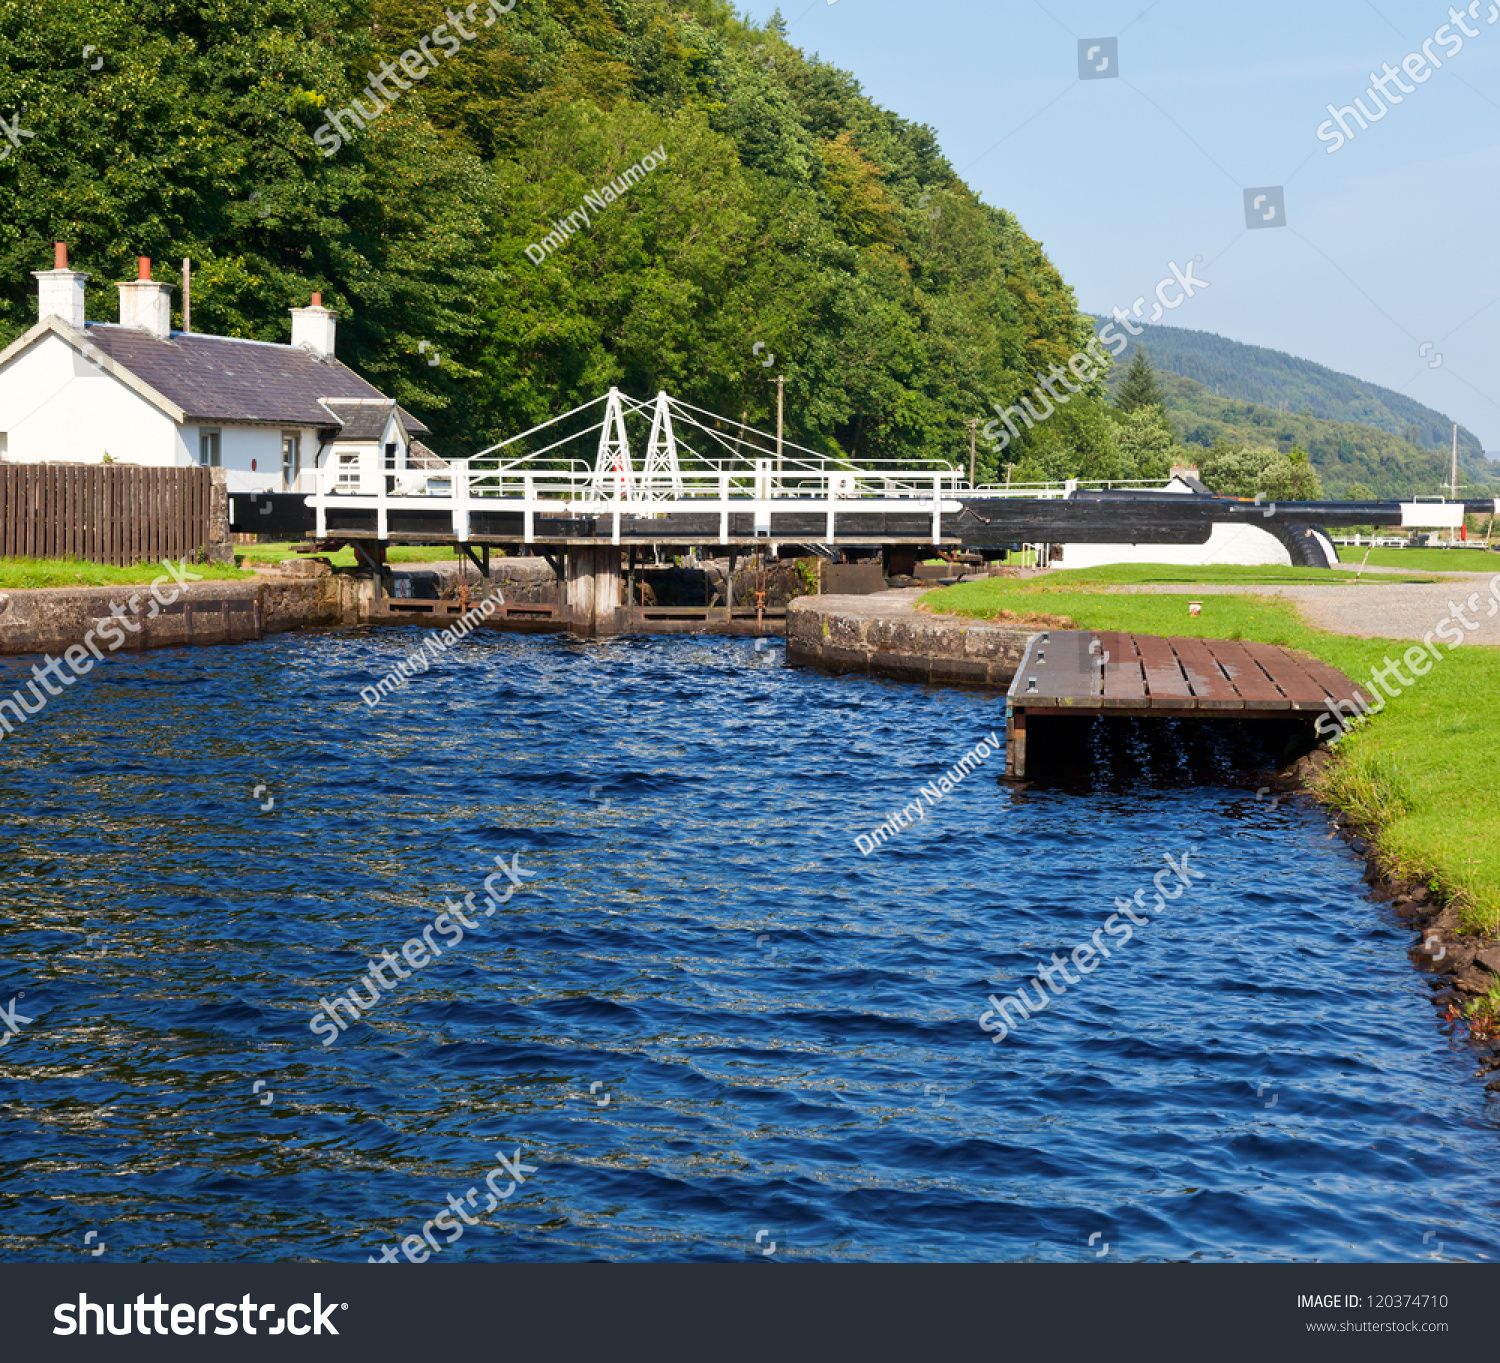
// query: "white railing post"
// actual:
[[830, 496], [528, 508], [937, 508], [615, 522], [723, 508], [382, 518], [320, 497], [461, 500]]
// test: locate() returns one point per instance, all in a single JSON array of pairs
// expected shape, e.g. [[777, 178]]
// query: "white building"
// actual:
[[137, 392]]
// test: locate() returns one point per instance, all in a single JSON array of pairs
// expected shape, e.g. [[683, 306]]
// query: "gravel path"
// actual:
[[1384, 610]]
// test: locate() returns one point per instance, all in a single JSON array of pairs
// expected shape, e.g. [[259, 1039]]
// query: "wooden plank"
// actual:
[[33, 509], [1210, 687], [74, 511], [1288, 671], [178, 513], [1254, 687], [90, 515], [1334, 682], [4, 511], [112, 516], [1166, 685], [1123, 676]]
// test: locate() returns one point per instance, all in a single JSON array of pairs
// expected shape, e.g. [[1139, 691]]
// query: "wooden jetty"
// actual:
[[1086, 673]]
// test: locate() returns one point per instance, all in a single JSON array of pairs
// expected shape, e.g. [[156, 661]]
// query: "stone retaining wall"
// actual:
[[49, 620], [886, 635]]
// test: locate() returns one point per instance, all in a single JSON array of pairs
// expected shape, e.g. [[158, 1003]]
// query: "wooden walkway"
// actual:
[[1107, 672]]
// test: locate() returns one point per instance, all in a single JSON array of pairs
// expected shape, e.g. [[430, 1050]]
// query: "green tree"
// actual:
[[1139, 387]]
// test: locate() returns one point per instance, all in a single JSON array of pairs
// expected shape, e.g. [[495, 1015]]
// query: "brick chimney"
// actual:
[[60, 290], [145, 304], [315, 328]]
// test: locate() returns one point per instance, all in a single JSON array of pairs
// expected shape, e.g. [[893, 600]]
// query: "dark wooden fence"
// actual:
[[115, 514]]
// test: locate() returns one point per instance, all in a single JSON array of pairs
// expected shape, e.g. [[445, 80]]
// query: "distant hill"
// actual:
[[1350, 458], [1355, 432]]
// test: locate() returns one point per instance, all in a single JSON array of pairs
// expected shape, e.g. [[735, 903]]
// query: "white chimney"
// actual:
[[314, 328], [60, 290], [146, 305]]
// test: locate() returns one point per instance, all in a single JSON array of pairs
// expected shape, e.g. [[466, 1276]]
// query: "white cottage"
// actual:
[[137, 392]]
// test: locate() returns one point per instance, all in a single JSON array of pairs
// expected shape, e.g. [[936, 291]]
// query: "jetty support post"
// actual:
[[591, 590]]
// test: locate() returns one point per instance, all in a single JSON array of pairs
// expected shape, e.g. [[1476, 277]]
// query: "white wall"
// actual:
[[1227, 543], [240, 447], [56, 406]]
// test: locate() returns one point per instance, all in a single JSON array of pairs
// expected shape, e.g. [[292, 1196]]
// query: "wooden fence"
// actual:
[[115, 514]]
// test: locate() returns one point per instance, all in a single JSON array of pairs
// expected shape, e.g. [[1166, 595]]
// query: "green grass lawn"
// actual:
[[400, 553], [1427, 560], [1221, 574], [18, 574], [1422, 771]]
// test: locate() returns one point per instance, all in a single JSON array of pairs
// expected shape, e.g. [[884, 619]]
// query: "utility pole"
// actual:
[[1454, 487], [187, 294], [780, 413], [973, 436]]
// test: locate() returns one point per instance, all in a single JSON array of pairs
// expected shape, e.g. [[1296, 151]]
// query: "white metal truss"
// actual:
[[614, 478], [661, 477]]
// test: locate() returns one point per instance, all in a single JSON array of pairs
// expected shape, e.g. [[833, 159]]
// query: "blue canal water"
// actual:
[[706, 1017]]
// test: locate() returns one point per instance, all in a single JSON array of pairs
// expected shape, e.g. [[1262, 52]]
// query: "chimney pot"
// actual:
[[315, 328], [60, 290], [144, 265]]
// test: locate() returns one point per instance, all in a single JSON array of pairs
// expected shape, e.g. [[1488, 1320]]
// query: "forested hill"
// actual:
[[1272, 378], [786, 208]]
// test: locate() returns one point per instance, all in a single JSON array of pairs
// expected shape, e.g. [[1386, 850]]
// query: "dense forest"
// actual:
[[466, 190], [787, 209]]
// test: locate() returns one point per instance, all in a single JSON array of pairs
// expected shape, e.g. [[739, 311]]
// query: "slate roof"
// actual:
[[362, 420], [418, 456], [221, 379]]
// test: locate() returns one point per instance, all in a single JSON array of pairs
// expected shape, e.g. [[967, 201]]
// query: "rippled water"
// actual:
[[707, 1015]]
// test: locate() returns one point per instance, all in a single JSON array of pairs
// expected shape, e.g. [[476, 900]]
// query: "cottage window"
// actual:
[[349, 471], [208, 449], [291, 459]]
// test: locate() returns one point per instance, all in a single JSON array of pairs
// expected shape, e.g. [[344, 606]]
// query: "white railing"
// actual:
[[567, 492]]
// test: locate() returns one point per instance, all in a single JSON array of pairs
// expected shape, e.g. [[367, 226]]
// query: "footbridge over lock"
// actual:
[[576, 491]]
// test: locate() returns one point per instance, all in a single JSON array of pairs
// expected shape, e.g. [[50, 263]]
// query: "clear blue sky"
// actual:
[[1392, 241]]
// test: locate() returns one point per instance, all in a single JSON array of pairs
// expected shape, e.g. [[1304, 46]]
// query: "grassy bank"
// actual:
[[19, 574], [344, 558], [1422, 771], [1426, 560]]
